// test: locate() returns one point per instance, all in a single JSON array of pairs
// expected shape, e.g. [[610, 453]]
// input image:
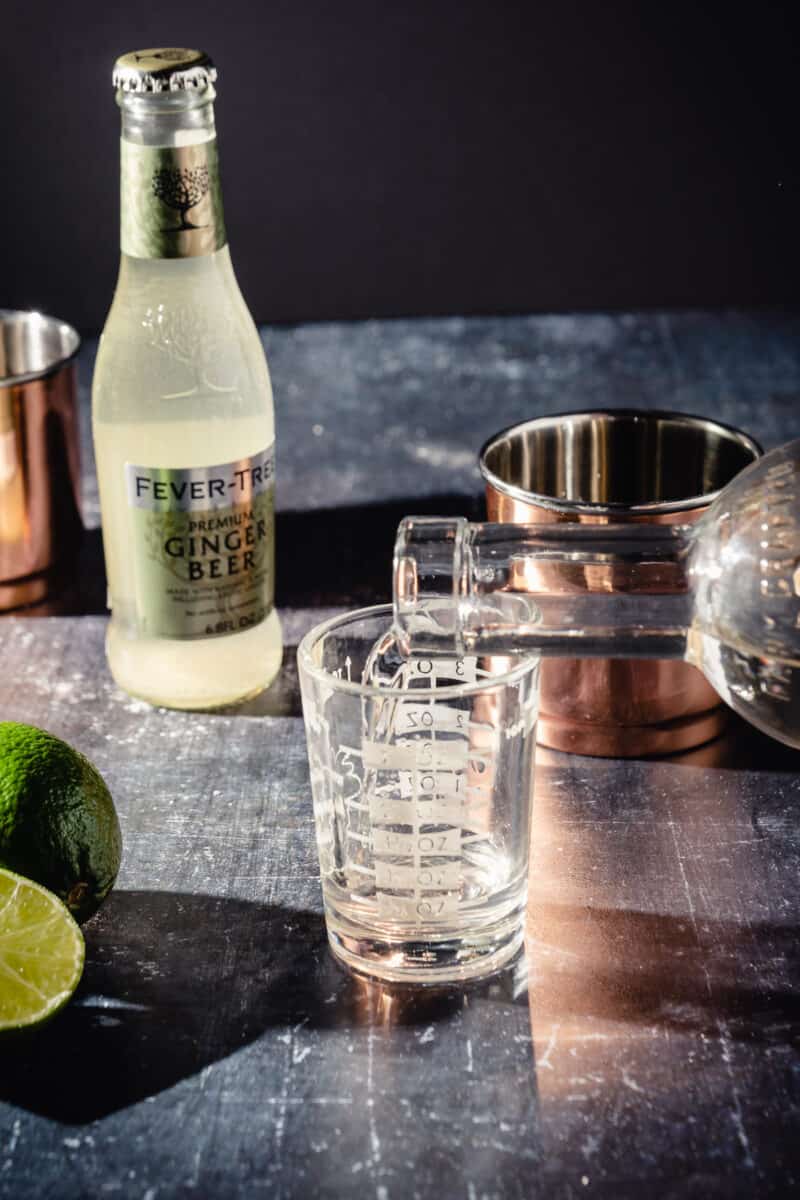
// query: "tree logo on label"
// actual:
[[181, 189]]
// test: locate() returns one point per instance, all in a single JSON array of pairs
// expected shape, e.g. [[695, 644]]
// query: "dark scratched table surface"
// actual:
[[647, 1044]]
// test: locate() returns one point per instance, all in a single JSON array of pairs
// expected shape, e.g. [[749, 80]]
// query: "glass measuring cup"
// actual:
[[422, 778], [723, 594]]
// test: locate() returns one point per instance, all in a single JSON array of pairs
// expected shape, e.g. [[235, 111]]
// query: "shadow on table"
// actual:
[[343, 556], [592, 965], [76, 588], [741, 747], [172, 984], [176, 982], [330, 556], [280, 699]]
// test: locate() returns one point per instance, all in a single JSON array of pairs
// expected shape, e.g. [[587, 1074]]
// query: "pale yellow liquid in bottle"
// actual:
[[180, 381]]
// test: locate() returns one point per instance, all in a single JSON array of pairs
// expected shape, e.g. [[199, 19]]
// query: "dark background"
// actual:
[[429, 156]]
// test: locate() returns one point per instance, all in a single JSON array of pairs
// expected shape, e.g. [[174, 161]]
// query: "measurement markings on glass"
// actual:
[[452, 670], [417, 844], [384, 810], [431, 783], [442, 876], [417, 908], [432, 755], [413, 754], [389, 811], [437, 717], [419, 754], [425, 771]]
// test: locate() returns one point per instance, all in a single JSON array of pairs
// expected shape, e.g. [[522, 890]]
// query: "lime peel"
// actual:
[[58, 824]]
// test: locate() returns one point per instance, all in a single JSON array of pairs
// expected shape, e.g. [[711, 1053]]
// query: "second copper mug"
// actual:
[[606, 467], [40, 523]]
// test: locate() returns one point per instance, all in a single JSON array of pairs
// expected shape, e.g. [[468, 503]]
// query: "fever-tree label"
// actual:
[[202, 546]]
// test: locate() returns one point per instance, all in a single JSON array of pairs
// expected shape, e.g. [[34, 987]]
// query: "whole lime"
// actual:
[[58, 824]]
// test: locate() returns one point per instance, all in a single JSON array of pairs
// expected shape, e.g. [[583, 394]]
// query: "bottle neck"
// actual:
[[170, 193], [572, 590]]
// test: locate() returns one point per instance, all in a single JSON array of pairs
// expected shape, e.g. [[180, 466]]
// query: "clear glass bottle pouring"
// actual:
[[723, 594]]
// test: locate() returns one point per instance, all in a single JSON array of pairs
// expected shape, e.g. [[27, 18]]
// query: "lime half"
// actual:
[[41, 953]]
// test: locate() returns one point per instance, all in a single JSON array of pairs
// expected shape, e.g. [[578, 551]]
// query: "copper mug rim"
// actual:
[[53, 343], [620, 509], [640, 465]]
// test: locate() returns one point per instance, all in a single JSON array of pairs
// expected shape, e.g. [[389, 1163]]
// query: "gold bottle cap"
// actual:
[[163, 70]]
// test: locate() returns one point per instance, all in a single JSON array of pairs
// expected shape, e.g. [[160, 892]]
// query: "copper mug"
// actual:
[[601, 468], [40, 523]]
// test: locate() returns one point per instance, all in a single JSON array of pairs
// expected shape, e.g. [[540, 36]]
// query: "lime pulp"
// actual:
[[41, 953]]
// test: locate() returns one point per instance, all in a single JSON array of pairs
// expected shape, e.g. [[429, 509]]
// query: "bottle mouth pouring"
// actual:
[[437, 608], [556, 589]]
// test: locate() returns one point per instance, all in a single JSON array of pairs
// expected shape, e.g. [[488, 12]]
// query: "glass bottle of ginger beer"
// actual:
[[182, 413]]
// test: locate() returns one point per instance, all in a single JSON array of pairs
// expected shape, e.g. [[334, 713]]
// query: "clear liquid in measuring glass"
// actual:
[[433, 863]]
